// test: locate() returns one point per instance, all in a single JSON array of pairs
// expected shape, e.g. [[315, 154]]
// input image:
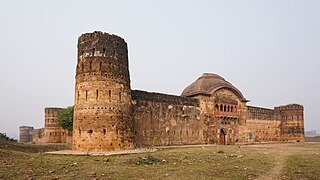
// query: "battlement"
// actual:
[[101, 35], [111, 48], [260, 113], [289, 107]]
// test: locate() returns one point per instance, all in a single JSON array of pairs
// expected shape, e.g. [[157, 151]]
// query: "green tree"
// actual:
[[65, 117]]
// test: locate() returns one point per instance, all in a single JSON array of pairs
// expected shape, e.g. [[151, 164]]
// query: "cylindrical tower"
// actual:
[[102, 106], [25, 134], [51, 125]]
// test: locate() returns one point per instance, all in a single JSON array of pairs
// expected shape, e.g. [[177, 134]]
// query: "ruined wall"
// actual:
[[102, 110], [53, 131], [262, 125], [25, 134], [161, 119], [292, 122], [38, 136]]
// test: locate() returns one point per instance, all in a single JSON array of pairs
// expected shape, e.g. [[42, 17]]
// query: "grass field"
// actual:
[[262, 161]]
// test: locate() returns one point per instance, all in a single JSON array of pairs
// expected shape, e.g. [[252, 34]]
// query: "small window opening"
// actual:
[[97, 94], [93, 50], [104, 131], [109, 95], [114, 52], [90, 131], [221, 107], [104, 50], [86, 95]]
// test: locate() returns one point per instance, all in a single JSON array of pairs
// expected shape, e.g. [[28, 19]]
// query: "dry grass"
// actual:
[[208, 162]]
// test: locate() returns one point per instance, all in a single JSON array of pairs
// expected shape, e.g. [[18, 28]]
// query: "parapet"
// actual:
[[289, 107], [110, 47], [157, 97]]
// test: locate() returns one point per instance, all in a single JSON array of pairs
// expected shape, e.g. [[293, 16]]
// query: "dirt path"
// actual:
[[275, 172], [280, 153]]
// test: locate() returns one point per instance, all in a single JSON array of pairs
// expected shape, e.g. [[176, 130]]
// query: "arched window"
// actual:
[[221, 107], [109, 95], [231, 108], [217, 107], [228, 108], [225, 108]]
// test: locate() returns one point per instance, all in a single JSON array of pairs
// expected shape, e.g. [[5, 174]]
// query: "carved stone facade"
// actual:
[[108, 115]]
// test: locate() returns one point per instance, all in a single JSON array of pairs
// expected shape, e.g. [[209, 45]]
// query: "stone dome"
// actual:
[[207, 84]]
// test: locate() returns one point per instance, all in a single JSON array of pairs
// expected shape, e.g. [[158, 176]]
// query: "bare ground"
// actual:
[[257, 161]]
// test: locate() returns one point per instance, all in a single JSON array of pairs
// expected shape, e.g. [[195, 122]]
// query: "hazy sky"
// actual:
[[269, 49]]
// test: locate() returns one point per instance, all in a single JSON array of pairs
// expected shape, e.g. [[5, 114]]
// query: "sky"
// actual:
[[268, 49]]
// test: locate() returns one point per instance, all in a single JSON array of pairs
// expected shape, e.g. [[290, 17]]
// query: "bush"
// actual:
[[148, 159], [65, 117]]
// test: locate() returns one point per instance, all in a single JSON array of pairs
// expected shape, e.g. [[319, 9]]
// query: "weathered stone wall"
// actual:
[[38, 136], [262, 125], [161, 119], [292, 122], [25, 134], [102, 110], [53, 131], [229, 113], [284, 123]]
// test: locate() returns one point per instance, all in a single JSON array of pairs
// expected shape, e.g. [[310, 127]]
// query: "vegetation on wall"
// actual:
[[40, 134], [65, 117]]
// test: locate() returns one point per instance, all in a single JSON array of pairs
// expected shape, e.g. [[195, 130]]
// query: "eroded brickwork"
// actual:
[[25, 134], [102, 110], [292, 122], [51, 133], [161, 119], [108, 115]]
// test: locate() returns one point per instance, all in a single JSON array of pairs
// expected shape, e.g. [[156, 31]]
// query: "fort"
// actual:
[[109, 115]]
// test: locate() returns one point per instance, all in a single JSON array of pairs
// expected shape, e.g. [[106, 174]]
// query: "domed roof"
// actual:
[[207, 84]]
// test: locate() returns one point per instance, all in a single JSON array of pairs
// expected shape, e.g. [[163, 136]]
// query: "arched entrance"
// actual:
[[223, 135], [226, 136]]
